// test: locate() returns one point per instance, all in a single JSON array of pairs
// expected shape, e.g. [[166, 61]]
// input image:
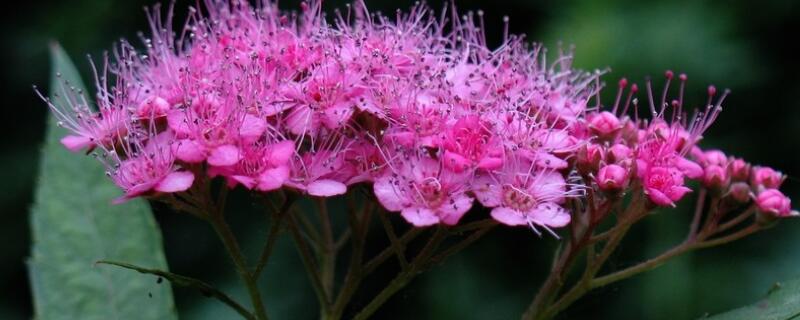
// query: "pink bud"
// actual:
[[612, 178], [618, 153], [604, 124], [739, 170], [589, 157], [740, 191], [153, 107], [715, 177], [774, 202], [714, 158], [766, 177]]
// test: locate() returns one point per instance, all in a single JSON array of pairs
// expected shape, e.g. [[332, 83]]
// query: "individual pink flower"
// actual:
[[664, 186], [774, 202], [211, 130], [322, 173], [423, 192], [326, 99], [716, 177], [152, 170], [261, 167], [104, 128], [766, 177], [469, 143], [605, 124], [612, 178], [739, 170], [522, 195]]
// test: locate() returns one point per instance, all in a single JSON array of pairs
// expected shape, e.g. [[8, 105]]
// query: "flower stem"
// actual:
[[229, 240]]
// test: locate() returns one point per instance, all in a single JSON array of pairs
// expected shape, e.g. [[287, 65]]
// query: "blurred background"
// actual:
[[742, 45]]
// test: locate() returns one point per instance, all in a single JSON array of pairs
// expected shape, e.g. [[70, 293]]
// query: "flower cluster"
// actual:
[[419, 107]]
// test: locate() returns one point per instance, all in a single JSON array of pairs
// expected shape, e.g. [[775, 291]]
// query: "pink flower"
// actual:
[[264, 168], [521, 196], [739, 170], [91, 130], [774, 202], [423, 192], [612, 178], [604, 124], [326, 99], [152, 170], [766, 177], [664, 186], [469, 143], [716, 177]]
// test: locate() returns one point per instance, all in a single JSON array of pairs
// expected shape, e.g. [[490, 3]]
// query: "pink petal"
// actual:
[[281, 153], [189, 151], [336, 117], [549, 161], [177, 121], [247, 182], [456, 162], [658, 197], [490, 163], [272, 179], [549, 186], [689, 168], [76, 143], [300, 120], [550, 214], [326, 188], [451, 211], [486, 190], [176, 182], [391, 198], [226, 155], [420, 217], [134, 192], [252, 127], [508, 216]]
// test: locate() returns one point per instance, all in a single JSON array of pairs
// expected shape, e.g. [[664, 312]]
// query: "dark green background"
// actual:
[[743, 45]]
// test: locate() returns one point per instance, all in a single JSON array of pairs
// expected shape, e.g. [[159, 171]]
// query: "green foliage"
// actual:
[[74, 225], [781, 303]]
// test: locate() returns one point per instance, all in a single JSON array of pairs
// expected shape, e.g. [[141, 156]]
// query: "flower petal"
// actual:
[[420, 217], [175, 182], [508, 216], [226, 155], [326, 188]]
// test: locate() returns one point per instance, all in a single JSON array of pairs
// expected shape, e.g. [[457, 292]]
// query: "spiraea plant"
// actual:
[[412, 115]]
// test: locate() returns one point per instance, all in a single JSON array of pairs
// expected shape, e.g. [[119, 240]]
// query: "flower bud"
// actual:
[[774, 202], [739, 170], [714, 158], [740, 192], [153, 107], [618, 153], [589, 157], [766, 177], [715, 177], [605, 125], [612, 178]]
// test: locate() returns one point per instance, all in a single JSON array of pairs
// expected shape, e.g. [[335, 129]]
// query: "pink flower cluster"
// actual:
[[417, 106]]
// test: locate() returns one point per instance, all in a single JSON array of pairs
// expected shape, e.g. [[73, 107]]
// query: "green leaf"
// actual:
[[74, 224], [781, 303]]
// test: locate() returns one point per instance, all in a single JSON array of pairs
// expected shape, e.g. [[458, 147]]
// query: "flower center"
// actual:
[[517, 199]]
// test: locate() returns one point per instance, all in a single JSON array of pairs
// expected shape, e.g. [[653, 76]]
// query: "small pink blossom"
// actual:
[[612, 178], [774, 202], [664, 186]]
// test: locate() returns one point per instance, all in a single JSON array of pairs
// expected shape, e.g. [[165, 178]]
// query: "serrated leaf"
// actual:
[[74, 224], [781, 303]]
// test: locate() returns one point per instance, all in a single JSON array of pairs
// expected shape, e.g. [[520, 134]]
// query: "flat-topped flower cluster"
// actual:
[[417, 106]]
